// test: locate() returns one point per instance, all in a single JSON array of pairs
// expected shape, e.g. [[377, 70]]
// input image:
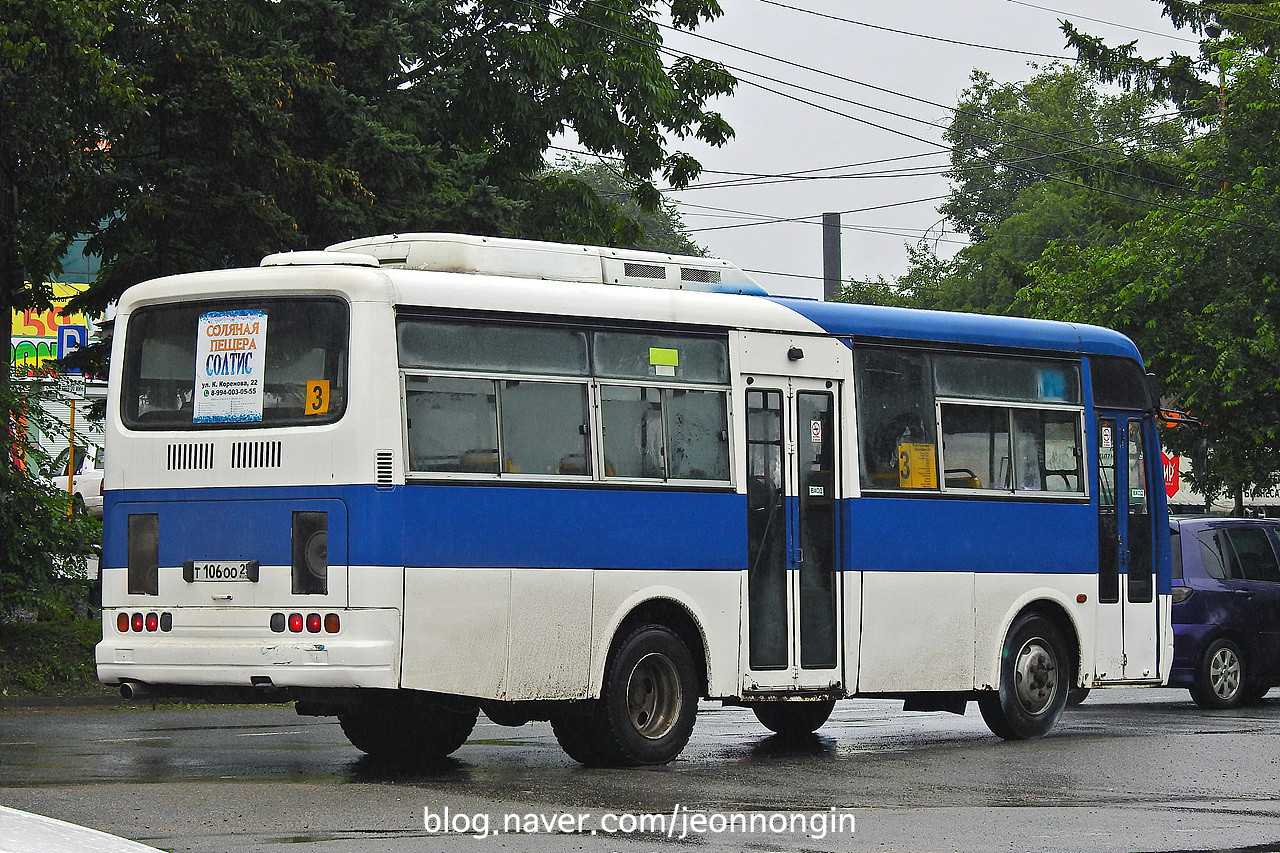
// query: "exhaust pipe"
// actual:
[[131, 690]]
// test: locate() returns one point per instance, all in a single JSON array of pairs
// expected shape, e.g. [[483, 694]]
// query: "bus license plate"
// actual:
[[220, 570]]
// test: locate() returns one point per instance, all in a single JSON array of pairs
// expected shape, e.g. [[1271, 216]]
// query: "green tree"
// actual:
[[1195, 282], [1053, 158], [299, 123], [62, 98], [41, 542], [619, 220]]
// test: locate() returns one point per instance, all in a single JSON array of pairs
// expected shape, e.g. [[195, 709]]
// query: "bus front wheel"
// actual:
[[408, 728], [793, 719], [1035, 676], [647, 705]]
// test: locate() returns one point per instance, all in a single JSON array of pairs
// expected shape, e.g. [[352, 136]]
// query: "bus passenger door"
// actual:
[[792, 629], [1128, 620]]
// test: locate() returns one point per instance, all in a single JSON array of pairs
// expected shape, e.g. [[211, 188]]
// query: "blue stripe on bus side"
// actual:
[[938, 535], [444, 525], [530, 527]]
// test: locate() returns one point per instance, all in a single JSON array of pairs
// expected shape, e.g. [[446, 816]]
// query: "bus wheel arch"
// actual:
[[1039, 661], [678, 619], [648, 699]]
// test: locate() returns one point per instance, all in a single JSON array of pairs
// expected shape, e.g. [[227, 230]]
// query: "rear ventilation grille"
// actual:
[[191, 457], [699, 275], [654, 271], [386, 469], [255, 454]]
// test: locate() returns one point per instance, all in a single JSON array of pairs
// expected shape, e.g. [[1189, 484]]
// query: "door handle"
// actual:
[[1245, 592]]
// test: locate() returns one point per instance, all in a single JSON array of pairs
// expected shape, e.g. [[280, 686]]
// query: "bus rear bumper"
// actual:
[[219, 647]]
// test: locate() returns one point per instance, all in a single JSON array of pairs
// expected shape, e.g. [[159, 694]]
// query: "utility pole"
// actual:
[[830, 256]]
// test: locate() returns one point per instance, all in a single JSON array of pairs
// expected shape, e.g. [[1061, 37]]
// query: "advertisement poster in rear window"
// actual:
[[230, 357]]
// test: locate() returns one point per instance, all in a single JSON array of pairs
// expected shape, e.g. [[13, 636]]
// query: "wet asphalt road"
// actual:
[[1130, 770]]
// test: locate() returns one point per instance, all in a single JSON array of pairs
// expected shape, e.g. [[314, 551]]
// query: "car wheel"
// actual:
[[793, 719], [1220, 677], [1034, 674]]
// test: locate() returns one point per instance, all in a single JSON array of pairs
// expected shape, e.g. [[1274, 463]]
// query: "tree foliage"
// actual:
[[303, 122], [42, 542], [1195, 283], [621, 220], [62, 97], [1053, 158]]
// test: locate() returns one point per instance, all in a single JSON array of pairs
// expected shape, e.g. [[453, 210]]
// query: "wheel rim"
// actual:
[[1035, 676], [1224, 673], [653, 696]]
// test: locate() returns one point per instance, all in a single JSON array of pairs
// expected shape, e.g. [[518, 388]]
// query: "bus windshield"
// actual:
[[265, 362]]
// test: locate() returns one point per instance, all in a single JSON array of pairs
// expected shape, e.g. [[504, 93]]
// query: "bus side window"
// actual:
[[697, 434], [895, 408], [453, 425], [544, 428]]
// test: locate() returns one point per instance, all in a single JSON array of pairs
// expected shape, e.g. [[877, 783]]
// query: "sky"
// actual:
[[816, 121]]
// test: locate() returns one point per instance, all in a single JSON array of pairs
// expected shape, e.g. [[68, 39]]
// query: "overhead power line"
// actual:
[[918, 35], [1030, 172], [1100, 21]]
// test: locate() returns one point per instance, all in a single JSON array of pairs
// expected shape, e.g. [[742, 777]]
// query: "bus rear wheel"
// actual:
[[647, 706], [793, 719], [1035, 676], [409, 728]]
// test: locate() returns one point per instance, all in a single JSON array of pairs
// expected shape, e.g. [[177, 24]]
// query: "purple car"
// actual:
[[1226, 609]]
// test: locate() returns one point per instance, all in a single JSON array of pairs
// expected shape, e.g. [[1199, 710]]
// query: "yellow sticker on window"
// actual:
[[664, 357], [317, 397], [917, 468]]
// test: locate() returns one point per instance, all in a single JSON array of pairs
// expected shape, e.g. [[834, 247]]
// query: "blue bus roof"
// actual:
[[912, 324]]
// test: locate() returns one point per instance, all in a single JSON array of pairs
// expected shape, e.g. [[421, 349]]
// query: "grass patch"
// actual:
[[53, 658]]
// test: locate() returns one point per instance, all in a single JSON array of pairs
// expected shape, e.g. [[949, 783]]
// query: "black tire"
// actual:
[[409, 728], [1035, 677], [1255, 693], [1077, 695], [576, 734], [1221, 679], [793, 719], [647, 705]]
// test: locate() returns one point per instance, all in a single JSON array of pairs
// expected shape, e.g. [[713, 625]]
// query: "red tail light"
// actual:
[[153, 622], [295, 623], [137, 622], [313, 623]]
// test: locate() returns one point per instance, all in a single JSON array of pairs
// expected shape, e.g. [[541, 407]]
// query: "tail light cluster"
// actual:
[[139, 622], [312, 623]]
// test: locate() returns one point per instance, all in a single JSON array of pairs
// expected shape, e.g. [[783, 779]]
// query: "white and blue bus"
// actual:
[[416, 477]]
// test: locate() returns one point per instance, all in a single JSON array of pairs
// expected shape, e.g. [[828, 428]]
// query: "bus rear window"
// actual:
[[268, 362]]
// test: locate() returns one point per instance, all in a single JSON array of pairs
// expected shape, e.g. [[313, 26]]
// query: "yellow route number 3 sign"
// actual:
[[317, 397], [917, 468]]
